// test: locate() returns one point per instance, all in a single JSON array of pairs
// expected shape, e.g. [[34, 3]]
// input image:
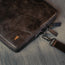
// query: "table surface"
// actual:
[[38, 52]]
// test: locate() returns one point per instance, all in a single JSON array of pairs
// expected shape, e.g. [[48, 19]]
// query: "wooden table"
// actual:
[[38, 52]]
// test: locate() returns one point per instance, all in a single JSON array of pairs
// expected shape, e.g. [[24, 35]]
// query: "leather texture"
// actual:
[[59, 45], [21, 20]]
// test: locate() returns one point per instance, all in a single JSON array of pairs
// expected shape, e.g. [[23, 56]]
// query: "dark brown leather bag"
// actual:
[[23, 20]]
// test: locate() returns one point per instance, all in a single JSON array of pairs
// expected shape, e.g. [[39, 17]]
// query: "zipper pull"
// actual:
[[54, 25], [53, 32]]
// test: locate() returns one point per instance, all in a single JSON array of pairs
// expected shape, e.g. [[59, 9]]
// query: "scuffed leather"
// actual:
[[23, 18]]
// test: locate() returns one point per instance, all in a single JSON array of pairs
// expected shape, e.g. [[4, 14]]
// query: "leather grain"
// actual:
[[23, 19]]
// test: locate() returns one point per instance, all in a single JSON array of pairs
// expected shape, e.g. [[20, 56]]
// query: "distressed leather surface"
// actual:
[[23, 18]]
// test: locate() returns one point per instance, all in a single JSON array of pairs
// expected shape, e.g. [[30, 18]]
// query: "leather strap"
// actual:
[[59, 45]]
